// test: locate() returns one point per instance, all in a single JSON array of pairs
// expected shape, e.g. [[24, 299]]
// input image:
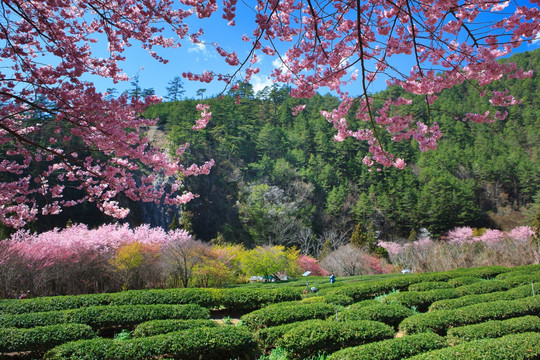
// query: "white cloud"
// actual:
[[260, 82], [536, 39], [198, 48]]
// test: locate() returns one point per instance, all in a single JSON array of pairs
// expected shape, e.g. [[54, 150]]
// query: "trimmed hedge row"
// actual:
[[493, 329], [422, 300], [392, 349], [512, 294], [440, 321], [42, 337], [219, 343], [511, 347], [278, 315], [430, 285], [105, 316], [390, 314], [237, 299], [268, 337], [157, 327], [371, 289], [309, 338], [463, 280]]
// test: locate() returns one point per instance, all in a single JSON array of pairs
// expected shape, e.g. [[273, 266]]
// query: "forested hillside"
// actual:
[[281, 178]]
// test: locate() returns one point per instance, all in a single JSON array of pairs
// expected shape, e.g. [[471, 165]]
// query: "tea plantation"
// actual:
[[478, 313]]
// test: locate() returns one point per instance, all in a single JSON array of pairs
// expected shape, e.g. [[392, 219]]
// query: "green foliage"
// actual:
[[267, 261], [42, 337], [390, 314], [493, 329], [309, 338], [338, 299], [420, 299], [215, 343], [512, 294], [430, 285], [156, 327], [510, 347], [463, 280], [105, 316], [283, 314], [392, 349], [441, 320], [269, 336], [239, 299]]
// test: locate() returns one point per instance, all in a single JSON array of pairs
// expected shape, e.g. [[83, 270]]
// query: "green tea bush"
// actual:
[[106, 316], [493, 329], [309, 338], [390, 314], [510, 347], [237, 299], [421, 300], [52, 303], [392, 349], [217, 343], [512, 294], [157, 327], [463, 280], [483, 287], [242, 301], [440, 321], [517, 280], [429, 285], [278, 315], [338, 299], [42, 337], [268, 337], [369, 290], [486, 272]]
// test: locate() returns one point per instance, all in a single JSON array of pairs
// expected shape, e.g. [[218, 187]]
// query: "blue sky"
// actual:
[[197, 58]]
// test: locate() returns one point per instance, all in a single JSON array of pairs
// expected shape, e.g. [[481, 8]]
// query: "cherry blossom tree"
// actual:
[[57, 130]]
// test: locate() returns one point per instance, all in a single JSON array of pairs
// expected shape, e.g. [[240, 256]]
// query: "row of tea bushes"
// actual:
[[421, 300], [209, 343], [368, 290], [240, 300], [390, 314], [440, 321], [522, 346], [287, 313], [42, 338], [99, 317], [392, 349], [493, 329], [157, 327], [430, 285], [311, 337], [512, 294]]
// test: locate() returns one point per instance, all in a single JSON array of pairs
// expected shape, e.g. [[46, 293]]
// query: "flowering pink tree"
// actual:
[[57, 130], [308, 263], [48, 262]]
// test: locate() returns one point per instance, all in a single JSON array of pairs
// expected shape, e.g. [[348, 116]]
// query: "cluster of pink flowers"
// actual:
[[454, 248], [78, 244], [465, 235], [308, 263]]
